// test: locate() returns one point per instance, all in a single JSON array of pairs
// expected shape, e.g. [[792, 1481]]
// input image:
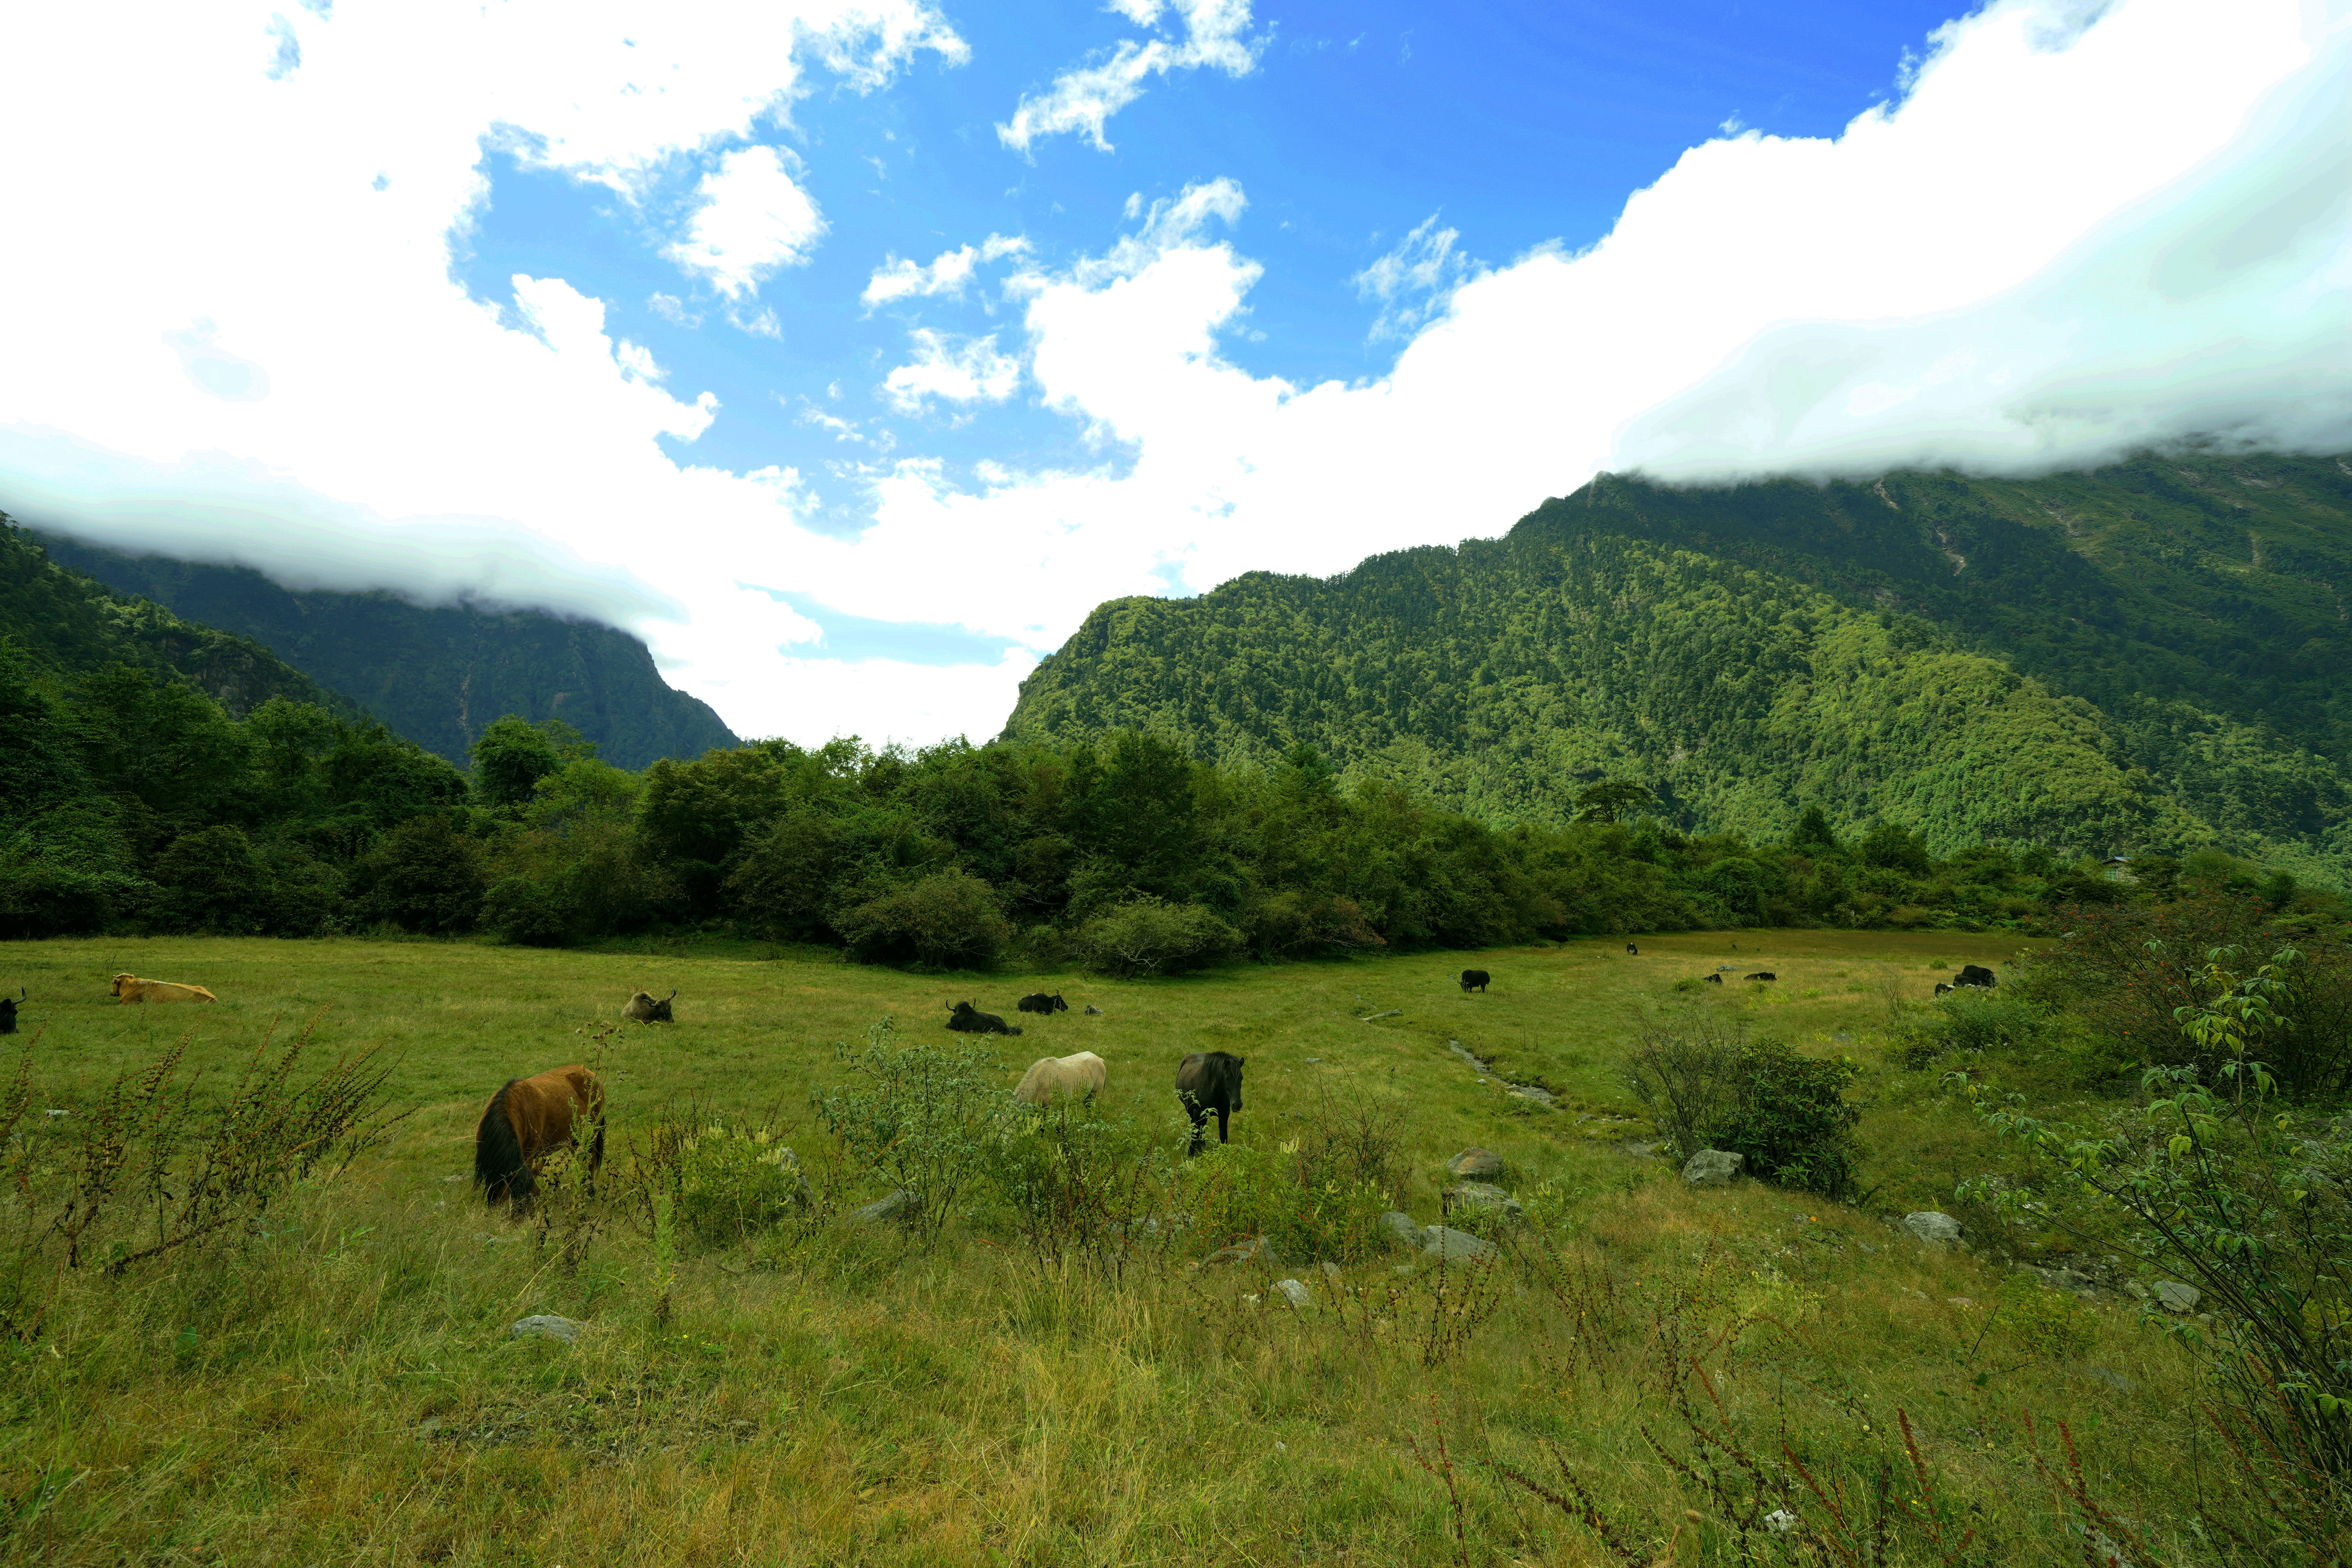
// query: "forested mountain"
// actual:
[[67, 624], [438, 676], [2152, 656]]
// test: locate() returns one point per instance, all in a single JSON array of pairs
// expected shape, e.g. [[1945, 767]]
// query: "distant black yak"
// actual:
[[1632, 949], [1975, 974], [1763, 975], [1474, 980], [1714, 980], [8, 1010], [1038, 1002], [967, 1019]]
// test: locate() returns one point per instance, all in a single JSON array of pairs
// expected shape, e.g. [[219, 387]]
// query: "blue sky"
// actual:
[[850, 352]]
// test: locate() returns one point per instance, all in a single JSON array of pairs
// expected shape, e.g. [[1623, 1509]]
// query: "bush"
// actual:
[[925, 1117], [1968, 1020], [1149, 936], [1789, 1119], [949, 919], [1684, 1073], [733, 1184], [1306, 1213], [527, 913], [212, 880], [1077, 1178], [425, 877]]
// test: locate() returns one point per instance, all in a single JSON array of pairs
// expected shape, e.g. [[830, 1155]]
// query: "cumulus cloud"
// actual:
[[953, 370], [752, 219], [1085, 98], [949, 272]]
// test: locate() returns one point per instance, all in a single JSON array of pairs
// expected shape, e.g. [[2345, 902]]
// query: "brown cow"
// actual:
[[130, 988]]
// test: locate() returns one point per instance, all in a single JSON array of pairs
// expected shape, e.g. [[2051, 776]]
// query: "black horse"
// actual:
[[8, 1011], [1038, 1002], [1206, 1081], [968, 1019], [1474, 980]]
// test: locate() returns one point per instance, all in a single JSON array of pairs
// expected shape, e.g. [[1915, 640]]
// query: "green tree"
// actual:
[[1610, 800], [212, 881], [425, 877]]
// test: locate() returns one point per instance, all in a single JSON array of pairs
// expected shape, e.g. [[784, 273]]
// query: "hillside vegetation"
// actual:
[[438, 676], [2149, 658]]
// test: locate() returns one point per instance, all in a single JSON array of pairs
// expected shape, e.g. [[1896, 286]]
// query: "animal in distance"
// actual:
[[130, 988], [1082, 1075], [1207, 1081], [965, 1018], [1474, 980], [1038, 1002], [8, 1010], [1714, 980], [646, 1010], [529, 1119], [1633, 950], [1975, 974], [1763, 975]]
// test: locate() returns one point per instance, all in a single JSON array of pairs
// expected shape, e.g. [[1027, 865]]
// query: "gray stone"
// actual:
[[1486, 1195], [1401, 1229], [1476, 1162], [1296, 1293], [2175, 1296], [547, 1325], [1713, 1168], [1314, 1061], [1331, 1272], [1929, 1225], [1454, 1245], [2066, 1280], [1240, 1251], [900, 1206], [1529, 1092], [1639, 1148]]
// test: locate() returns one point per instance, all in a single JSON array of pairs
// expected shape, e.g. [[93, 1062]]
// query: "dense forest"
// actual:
[[439, 675], [2150, 659]]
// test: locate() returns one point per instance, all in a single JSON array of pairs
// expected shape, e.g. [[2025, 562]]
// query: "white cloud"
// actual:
[[949, 272], [753, 219], [673, 309], [1084, 99], [1412, 280], [954, 370]]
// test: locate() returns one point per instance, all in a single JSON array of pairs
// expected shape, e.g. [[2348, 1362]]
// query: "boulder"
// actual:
[[1401, 1229], [547, 1325], [1452, 1246], [1940, 1229], [1713, 1168], [1475, 1164], [1486, 1195], [1296, 1293], [899, 1205], [1242, 1251], [2175, 1296]]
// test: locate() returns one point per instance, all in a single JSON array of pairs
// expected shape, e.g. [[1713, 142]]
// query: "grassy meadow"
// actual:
[[345, 1388]]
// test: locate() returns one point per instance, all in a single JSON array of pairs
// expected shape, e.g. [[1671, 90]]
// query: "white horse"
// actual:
[[1082, 1075]]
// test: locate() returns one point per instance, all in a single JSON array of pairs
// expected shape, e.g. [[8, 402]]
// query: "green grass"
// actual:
[[345, 1389]]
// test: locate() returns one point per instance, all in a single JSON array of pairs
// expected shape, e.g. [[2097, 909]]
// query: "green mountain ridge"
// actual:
[[436, 675], [2150, 657]]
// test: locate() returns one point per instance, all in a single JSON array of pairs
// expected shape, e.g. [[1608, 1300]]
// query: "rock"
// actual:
[[1781, 1522], [1713, 1168], [1454, 1245], [2064, 1279], [1478, 1164], [2175, 1296], [1296, 1293], [1331, 1272], [1401, 1229], [547, 1325], [1929, 1225], [1486, 1195], [1240, 1252], [899, 1205], [1638, 1149], [1529, 1092], [1314, 1061]]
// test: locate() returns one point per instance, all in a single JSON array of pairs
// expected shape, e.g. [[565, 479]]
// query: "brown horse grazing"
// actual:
[[529, 1118], [1206, 1081]]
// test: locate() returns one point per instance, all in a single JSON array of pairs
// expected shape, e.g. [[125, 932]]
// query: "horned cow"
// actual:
[[643, 1009], [130, 988]]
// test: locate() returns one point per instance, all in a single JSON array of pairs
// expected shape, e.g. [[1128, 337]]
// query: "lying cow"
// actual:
[[130, 988], [8, 1010], [643, 1009], [1763, 975], [964, 1018], [1038, 1002]]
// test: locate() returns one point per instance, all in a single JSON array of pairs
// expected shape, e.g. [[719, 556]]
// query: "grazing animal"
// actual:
[[1714, 980], [528, 1118], [8, 1010], [1082, 1075], [130, 988], [964, 1018], [1093, 1011], [1206, 1081], [646, 1010], [1632, 949], [1975, 974], [1474, 979], [1763, 975], [1941, 988], [1038, 1002]]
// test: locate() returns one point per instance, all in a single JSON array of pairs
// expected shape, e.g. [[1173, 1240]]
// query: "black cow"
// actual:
[[8, 1011], [1038, 1002], [1763, 975], [1941, 988], [1714, 980], [1206, 1081], [964, 1017], [1632, 949], [1975, 974], [1474, 980]]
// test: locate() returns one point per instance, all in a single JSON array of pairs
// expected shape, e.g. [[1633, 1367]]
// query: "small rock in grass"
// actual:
[[547, 1325], [2175, 1296], [1486, 1195], [1296, 1293], [1713, 1168], [1939, 1230], [898, 1205], [1240, 1252], [1401, 1229], [1093, 1011], [1454, 1245], [1476, 1162]]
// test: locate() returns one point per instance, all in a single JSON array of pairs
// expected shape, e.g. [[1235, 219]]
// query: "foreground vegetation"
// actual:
[[1641, 1372]]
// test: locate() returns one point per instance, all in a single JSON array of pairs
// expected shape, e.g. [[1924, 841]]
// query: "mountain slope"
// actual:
[[437, 676], [68, 623], [2153, 655]]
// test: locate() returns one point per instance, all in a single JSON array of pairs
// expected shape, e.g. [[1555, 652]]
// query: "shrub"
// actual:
[[949, 919], [2042, 1321], [1968, 1020], [734, 1184], [1683, 1074], [1076, 1179], [1149, 936], [527, 913], [925, 1117], [1306, 1214], [425, 877], [212, 880], [1789, 1119]]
